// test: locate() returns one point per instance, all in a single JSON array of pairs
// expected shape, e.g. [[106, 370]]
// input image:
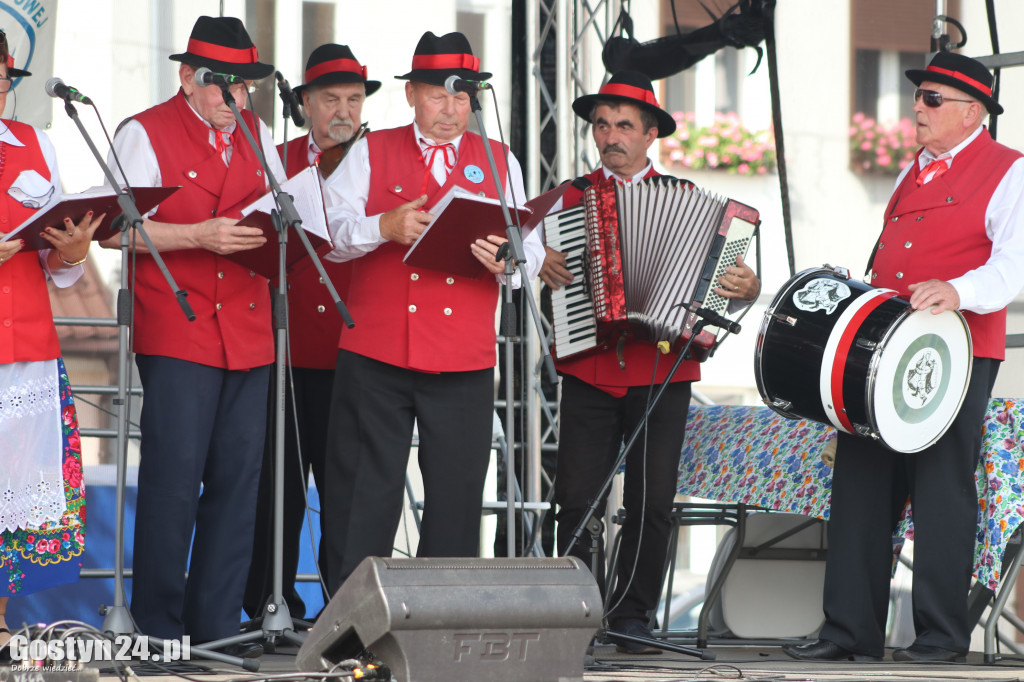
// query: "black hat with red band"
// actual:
[[437, 58], [331, 64], [631, 87], [13, 72], [963, 73], [222, 44]]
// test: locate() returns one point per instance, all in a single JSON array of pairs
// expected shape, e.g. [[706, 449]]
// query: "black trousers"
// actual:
[[592, 428], [373, 408], [202, 427], [304, 450], [870, 486]]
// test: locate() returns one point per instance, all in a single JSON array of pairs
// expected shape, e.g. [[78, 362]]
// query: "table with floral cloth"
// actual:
[[751, 455]]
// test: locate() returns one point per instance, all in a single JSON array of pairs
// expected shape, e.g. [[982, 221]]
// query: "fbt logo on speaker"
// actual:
[[493, 646], [86, 649]]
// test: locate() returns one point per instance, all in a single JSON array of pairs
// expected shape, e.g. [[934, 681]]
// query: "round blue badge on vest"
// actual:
[[474, 174]]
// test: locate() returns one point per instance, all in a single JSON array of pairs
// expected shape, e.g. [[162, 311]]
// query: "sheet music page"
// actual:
[[307, 194]]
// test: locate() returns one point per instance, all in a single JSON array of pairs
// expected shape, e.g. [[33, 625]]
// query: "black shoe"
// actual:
[[823, 650], [636, 628], [244, 650], [919, 653]]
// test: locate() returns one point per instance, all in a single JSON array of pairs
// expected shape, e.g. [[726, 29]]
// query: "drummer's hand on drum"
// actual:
[[554, 271], [739, 281], [934, 292]]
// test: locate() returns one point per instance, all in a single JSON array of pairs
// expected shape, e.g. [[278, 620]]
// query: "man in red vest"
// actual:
[[333, 94], [953, 239], [604, 394], [205, 382], [423, 345]]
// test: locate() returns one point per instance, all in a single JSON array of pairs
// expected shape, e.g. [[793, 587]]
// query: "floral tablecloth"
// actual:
[[736, 453]]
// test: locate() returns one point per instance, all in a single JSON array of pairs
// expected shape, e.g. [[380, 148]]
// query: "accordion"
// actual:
[[644, 256]]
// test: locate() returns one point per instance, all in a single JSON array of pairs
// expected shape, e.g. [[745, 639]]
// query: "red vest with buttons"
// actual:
[[937, 231], [27, 333], [232, 329], [603, 369], [313, 321], [419, 319]]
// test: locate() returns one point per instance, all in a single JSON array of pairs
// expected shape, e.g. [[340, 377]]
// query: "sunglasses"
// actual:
[[934, 99]]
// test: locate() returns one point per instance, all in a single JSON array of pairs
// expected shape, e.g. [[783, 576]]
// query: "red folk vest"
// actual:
[[232, 329], [313, 321], [27, 333], [419, 319], [602, 369], [937, 231]]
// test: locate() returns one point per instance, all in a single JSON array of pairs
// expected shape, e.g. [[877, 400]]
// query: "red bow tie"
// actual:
[[221, 140], [430, 153], [932, 171]]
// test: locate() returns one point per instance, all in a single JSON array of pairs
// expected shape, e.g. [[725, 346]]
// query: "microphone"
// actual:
[[455, 85], [55, 87], [290, 99], [205, 76], [720, 321]]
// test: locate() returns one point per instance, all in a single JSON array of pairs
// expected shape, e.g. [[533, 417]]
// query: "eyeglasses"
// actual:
[[5, 85], [935, 99], [247, 87]]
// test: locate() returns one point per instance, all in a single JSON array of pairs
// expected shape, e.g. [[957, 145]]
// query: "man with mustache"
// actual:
[[333, 94], [952, 238], [604, 394]]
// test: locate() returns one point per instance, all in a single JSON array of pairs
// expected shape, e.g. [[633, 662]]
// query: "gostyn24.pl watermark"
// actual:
[[88, 649]]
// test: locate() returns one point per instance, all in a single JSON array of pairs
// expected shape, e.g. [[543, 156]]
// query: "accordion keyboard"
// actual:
[[571, 309]]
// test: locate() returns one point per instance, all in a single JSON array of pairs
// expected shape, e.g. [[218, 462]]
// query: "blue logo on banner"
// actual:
[[474, 174], [37, 13]]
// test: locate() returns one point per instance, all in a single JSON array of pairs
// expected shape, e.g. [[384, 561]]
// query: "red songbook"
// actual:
[[307, 195], [460, 218], [75, 206]]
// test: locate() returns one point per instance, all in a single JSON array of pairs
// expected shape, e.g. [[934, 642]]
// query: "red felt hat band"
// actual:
[[349, 65], [446, 61], [630, 91], [220, 53], [961, 77]]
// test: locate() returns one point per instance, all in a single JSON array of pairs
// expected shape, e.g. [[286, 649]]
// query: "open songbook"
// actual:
[[75, 206], [307, 194], [460, 218]]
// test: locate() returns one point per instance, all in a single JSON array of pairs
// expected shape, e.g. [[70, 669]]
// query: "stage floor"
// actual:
[[748, 663]]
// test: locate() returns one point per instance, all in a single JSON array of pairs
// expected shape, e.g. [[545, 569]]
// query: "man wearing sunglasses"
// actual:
[[953, 239]]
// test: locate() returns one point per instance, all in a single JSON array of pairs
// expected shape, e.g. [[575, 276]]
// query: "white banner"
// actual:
[[30, 26]]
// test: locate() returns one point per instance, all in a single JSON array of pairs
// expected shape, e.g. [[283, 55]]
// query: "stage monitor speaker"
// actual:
[[501, 620]]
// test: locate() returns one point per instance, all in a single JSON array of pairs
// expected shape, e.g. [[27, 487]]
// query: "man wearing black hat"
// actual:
[[953, 239], [604, 394], [423, 346], [333, 93], [205, 382]]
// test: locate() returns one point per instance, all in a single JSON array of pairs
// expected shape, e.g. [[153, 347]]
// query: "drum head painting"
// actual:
[[821, 294], [921, 379]]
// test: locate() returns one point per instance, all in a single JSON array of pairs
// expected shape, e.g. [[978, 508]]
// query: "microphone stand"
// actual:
[[117, 618], [513, 255], [276, 621], [591, 514]]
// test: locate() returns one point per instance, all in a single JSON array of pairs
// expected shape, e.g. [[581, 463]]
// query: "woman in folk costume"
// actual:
[[42, 498]]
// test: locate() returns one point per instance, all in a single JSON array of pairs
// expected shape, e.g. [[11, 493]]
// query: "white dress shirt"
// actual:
[[992, 286]]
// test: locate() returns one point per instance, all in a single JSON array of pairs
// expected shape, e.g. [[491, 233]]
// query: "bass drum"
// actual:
[[848, 355]]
